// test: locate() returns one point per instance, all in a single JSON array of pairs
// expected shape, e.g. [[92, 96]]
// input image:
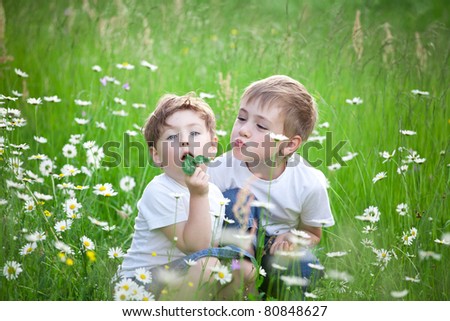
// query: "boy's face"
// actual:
[[250, 137], [185, 133]]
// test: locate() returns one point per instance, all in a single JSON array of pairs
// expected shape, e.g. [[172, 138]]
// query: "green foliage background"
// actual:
[[220, 47]]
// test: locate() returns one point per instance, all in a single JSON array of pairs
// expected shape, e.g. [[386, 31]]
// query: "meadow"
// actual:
[[79, 78]]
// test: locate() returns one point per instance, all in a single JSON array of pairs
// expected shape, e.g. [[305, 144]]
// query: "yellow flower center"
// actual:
[[11, 270], [102, 188], [69, 262], [221, 275], [72, 206], [30, 207]]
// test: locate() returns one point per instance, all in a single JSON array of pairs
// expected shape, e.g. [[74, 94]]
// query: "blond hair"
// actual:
[[170, 104], [291, 97]]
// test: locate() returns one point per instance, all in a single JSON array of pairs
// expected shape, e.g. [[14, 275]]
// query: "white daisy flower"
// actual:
[[131, 133], [76, 139], [80, 102], [206, 96], [71, 205], [120, 101], [337, 254], [121, 295], [121, 113], [379, 176], [62, 226], [399, 294], [87, 243], [96, 68], [334, 167], [104, 190], [138, 105], [16, 93], [418, 92], [407, 132], [190, 262], [402, 169], [125, 65], [34, 101], [36, 237], [115, 253], [63, 247], [40, 140], [316, 266], [294, 280], [262, 272], [69, 151], [127, 183], [100, 125], [149, 65], [28, 248], [310, 295], [142, 275], [11, 270], [349, 156], [354, 101], [324, 125], [387, 157], [46, 167], [81, 121], [53, 99], [278, 137], [20, 73], [221, 132], [222, 274]]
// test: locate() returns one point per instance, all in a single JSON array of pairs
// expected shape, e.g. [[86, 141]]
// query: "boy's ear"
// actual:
[[289, 147], [155, 156]]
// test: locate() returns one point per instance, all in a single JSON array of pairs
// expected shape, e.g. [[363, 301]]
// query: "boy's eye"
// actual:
[[261, 127], [240, 118], [194, 133], [172, 137]]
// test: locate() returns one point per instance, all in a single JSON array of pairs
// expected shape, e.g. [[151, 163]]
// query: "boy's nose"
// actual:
[[184, 144], [244, 132]]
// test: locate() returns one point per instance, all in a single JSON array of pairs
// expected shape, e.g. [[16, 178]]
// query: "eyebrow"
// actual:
[[256, 116], [168, 126]]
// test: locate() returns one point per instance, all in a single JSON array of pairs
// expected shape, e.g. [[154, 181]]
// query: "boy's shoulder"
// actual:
[[300, 166], [160, 184]]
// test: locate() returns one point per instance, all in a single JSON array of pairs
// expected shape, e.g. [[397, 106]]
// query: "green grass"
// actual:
[[193, 43]]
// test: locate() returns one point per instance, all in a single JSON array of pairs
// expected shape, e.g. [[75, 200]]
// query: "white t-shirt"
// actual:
[[164, 202], [299, 193]]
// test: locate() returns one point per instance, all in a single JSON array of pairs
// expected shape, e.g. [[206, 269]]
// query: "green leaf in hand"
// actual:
[[190, 163]]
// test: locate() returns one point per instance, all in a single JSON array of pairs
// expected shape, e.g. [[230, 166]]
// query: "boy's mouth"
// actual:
[[238, 143], [183, 157]]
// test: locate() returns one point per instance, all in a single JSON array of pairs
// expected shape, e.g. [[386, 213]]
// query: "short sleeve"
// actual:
[[160, 208], [316, 209]]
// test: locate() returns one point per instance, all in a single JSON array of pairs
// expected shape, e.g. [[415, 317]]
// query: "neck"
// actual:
[[269, 171]]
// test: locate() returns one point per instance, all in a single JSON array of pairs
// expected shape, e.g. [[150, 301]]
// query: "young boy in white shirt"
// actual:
[[180, 216], [276, 115]]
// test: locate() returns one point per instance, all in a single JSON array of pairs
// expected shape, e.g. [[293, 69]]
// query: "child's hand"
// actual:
[[198, 183], [282, 243]]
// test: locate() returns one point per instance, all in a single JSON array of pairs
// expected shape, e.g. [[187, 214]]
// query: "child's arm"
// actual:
[[283, 241], [194, 234]]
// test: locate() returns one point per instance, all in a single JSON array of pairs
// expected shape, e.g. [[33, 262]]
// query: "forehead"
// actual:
[[185, 117], [271, 111]]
